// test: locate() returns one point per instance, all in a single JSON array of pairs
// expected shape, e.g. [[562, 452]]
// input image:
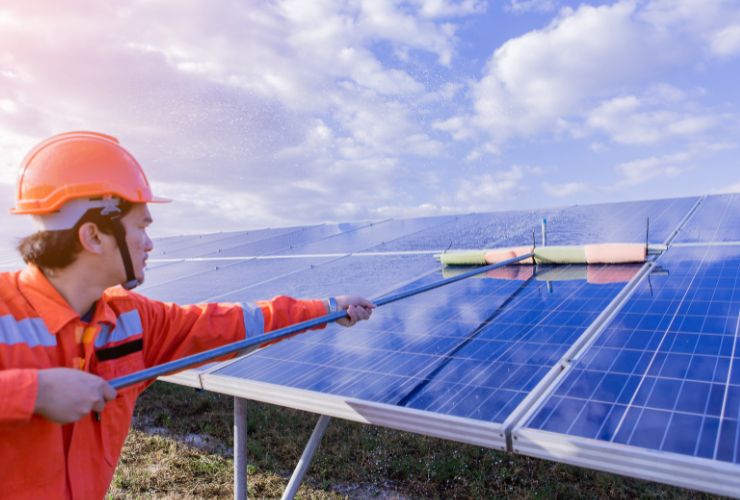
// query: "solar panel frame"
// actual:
[[721, 478]]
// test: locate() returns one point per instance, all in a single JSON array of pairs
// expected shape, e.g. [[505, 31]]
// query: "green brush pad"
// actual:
[[560, 255], [470, 258]]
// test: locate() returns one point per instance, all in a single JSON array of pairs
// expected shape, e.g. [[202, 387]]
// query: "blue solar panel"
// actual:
[[664, 374], [471, 231], [363, 238], [366, 276], [159, 273], [286, 241], [660, 376], [472, 349], [715, 220], [199, 245], [206, 281], [617, 222]]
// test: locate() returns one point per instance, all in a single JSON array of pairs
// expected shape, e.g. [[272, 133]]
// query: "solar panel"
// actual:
[[542, 358], [364, 275], [470, 231], [199, 245], [205, 280], [283, 241], [617, 222], [715, 220], [472, 350], [363, 238], [663, 376]]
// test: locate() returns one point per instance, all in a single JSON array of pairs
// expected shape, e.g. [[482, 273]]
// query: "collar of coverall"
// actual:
[[51, 306]]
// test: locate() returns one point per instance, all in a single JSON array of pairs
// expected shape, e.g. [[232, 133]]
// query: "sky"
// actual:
[[255, 114]]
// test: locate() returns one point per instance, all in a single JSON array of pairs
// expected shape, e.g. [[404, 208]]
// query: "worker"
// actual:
[[69, 321]]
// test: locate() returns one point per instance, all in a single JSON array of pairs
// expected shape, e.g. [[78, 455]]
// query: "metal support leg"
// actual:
[[305, 462], [240, 448]]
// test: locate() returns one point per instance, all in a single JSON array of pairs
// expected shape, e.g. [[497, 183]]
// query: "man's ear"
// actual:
[[91, 238]]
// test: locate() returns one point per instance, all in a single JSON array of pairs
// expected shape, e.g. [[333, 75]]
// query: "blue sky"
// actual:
[[253, 114]]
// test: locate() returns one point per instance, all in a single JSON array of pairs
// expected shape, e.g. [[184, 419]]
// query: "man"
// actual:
[[66, 327]]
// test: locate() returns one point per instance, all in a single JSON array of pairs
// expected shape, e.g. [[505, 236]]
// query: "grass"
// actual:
[[180, 447]]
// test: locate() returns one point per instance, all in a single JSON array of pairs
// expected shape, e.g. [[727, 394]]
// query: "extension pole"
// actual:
[[250, 344]]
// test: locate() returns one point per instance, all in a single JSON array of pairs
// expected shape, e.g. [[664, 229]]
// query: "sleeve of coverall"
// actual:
[[172, 331], [18, 390]]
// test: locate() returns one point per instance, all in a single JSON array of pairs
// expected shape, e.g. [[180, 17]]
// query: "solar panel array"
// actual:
[[602, 366]]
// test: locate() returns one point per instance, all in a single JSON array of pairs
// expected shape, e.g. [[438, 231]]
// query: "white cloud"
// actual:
[[714, 25], [565, 190], [578, 67], [292, 50], [285, 106], [490, 191], [14, 147], [458, 127], [727, 41], [598, 147], [8, 19], [8, 106], [271, 113], [444, 8], [640, 171], [521, 6], [732, 188], [632, 120], [200, 204], [535, 80], [665, 93], [13, 227]]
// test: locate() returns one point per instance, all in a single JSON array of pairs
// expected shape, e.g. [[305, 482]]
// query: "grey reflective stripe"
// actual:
[[128, 325], [30, 331], [254, 322]]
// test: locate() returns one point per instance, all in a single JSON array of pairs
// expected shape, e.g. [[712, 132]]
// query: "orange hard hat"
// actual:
[[77, 165]]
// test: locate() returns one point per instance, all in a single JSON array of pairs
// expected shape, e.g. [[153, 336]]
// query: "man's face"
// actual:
[[136, 222]]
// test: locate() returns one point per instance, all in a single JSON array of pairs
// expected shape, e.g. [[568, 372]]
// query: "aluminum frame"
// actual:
[[711, 476]]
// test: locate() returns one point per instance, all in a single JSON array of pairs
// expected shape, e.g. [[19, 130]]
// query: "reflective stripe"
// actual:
[[128, 325], [254, 322], [31, 331]]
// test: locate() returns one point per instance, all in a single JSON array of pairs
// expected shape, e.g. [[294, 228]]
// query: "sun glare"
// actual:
[[7, 19]]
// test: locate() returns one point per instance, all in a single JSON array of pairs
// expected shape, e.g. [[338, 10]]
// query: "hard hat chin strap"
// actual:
[[119, 232]]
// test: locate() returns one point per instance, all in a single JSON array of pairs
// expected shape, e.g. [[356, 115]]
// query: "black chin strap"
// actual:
[[120, 234]]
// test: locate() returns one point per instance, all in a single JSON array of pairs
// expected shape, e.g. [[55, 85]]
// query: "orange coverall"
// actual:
[[127, 333]]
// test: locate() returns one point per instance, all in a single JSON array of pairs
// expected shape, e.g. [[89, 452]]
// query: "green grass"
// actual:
[[354, 460]]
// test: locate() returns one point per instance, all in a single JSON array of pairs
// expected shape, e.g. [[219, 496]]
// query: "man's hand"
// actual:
[[357, 309], [66, 395]]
